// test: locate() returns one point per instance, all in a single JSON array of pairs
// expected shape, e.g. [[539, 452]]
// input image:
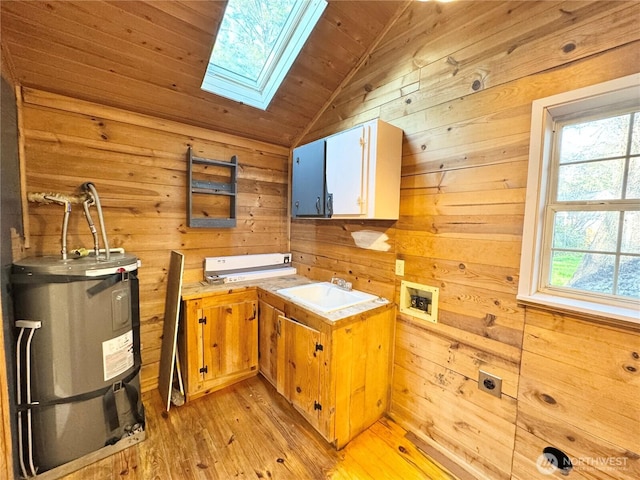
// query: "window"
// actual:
[[581, 240], [256, 45]]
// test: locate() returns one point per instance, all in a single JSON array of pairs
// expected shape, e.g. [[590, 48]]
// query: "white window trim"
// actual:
[[259, 93], [542, 117]]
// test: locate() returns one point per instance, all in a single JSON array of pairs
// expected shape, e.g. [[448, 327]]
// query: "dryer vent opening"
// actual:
[[553, 459]]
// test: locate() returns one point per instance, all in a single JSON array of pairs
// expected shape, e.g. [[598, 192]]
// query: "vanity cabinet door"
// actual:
[[268, 341], [230, 339], [300, 351], [219, 342]]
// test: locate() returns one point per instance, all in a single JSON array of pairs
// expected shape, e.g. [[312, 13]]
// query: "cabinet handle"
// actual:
[[278, 328], [318, 204]]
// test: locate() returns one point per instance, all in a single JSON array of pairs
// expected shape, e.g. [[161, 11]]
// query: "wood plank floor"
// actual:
[[249, 431]]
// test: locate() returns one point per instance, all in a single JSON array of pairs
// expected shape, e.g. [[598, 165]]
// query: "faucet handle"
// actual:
[[341, 283]]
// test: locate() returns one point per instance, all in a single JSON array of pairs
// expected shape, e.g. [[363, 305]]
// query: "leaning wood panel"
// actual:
[[170, 328]]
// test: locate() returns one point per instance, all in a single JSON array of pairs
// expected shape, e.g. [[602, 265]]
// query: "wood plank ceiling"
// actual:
[[150, 57]]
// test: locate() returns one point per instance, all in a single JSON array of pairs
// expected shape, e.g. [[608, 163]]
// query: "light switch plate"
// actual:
[[400, 268]]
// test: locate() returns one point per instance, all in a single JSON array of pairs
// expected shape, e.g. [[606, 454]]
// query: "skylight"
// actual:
[[256, 45]]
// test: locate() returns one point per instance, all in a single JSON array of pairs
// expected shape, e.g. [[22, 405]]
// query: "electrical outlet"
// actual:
[[490, 383], [400, 268]]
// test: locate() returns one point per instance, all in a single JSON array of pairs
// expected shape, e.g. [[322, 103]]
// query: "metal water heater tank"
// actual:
[[78, 357]]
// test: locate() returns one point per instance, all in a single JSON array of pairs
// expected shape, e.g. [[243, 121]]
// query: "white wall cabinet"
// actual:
[[362, 173]]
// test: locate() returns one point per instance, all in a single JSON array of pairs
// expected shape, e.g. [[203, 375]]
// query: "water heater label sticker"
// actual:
[[117, 355]]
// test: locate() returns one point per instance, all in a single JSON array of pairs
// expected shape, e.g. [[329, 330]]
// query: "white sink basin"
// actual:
[[325, 297]]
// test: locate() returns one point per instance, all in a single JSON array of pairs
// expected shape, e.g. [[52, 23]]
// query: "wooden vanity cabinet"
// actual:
[[337, 376], [218, 341]]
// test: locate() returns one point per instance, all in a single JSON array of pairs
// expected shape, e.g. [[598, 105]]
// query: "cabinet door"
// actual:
[[346, 171], [307, 180], [229, 340], [268, 341], [301, 349]]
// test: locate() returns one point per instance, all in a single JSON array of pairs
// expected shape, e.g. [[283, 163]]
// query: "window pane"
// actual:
[[563, 267], [635, 142], [588, 271], [631, 233], [591, 181], [596, 139], [633, 179], [586, 230], [629, 277], [248, 34]]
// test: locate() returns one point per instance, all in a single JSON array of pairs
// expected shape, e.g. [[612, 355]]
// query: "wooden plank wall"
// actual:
[[138, 165], [459, 79], [159, 50]]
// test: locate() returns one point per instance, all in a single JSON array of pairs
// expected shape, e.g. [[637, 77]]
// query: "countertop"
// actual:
[[201, 289]]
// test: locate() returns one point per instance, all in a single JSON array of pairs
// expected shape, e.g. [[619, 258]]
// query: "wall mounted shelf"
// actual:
[[212, 187]]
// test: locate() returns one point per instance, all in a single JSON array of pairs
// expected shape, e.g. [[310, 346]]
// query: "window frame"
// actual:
[[259, 93], [544, 115]]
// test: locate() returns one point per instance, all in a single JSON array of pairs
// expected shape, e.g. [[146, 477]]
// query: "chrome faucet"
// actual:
[[342, 283]]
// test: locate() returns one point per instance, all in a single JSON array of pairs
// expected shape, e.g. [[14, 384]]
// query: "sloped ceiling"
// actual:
[[150, 57]]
